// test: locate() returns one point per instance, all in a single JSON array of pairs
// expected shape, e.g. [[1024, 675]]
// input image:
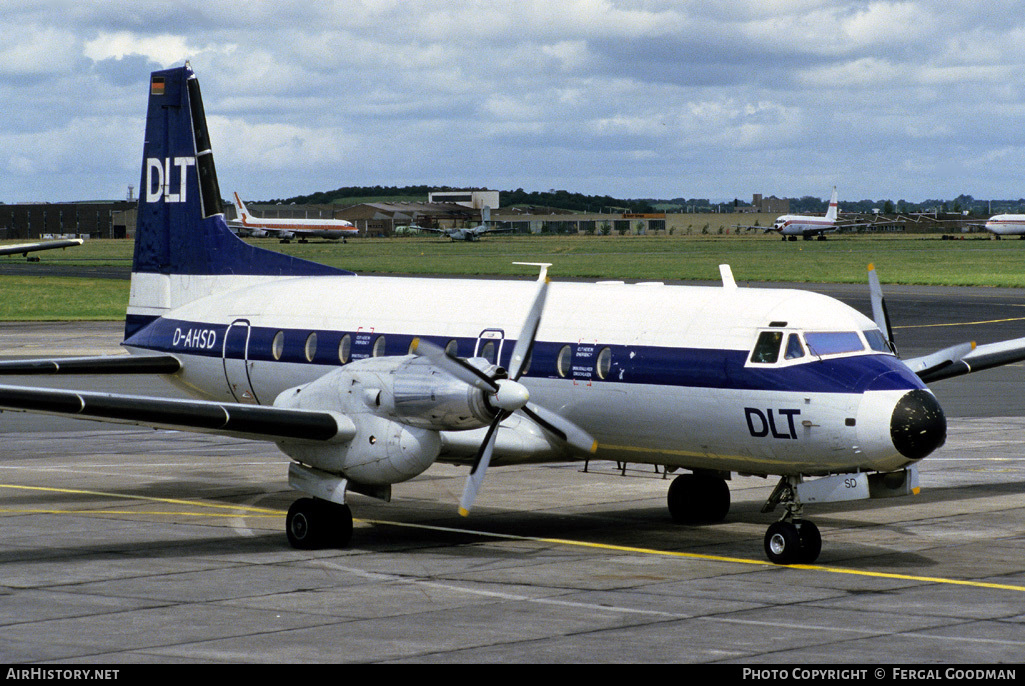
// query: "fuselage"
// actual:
[[798, 225], [1006, 224], [760, 381]]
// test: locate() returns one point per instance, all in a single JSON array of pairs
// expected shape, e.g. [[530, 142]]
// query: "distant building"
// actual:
[[771, 204], [103, 219], [475, 198]]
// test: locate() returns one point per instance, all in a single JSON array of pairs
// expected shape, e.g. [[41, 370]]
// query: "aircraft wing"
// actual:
[[100, 364], [26, 248], [970, 358], [234, 419], [956, 360]]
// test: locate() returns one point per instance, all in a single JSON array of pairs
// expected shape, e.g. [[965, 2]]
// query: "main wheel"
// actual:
[[312, 524], [698, 499]]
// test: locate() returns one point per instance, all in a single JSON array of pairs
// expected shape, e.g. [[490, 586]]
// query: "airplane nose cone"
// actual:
[[917, 425]]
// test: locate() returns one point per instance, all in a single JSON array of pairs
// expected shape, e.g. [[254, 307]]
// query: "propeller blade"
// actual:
[[456, 366], [879, 313], [525, 342], [560, 427], [480, 466]]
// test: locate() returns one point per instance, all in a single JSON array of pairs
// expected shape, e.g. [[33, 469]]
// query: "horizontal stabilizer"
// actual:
[[103, 364], [248, 421], [982, 357]]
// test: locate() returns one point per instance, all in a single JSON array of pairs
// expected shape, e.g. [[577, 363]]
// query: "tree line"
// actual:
[[580, 202]]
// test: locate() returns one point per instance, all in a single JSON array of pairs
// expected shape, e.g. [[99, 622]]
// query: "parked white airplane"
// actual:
[[25, 248], [377, 378], [470, 234], [790, 226], [1006, 225], [287, 229]]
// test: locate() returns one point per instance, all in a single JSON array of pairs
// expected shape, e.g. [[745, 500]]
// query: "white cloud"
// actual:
[[653, 93]]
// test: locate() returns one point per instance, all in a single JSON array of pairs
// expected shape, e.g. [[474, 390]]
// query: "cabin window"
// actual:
[[794, 349], [344, 348], [604, 363], [562, 363], [833, 342], [876, 341], [277, 346], [378, 347], [767, 347], [488, 352], [311, 346]]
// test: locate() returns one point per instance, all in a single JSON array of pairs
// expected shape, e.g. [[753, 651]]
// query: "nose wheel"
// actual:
[[793, 542]]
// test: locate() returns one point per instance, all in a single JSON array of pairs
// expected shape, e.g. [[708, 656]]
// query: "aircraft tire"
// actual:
[[311, 524], [698, 499], [811, 540], [301, 524], [783, 543]]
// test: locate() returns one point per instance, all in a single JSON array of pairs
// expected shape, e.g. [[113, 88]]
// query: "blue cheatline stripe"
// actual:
[[685, 367]]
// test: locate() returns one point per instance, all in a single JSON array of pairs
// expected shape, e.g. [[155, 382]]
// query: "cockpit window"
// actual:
[[767, 348], [833, 342], [876, 341], [794, 348]]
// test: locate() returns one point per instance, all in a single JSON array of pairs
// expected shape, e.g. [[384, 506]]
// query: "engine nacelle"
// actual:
[[397, 405], [382, 452]]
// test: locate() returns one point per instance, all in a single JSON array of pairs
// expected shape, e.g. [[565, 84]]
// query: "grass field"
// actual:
[[903, 259]]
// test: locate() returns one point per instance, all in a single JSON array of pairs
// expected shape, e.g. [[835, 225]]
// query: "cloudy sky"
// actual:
[[635, 98]]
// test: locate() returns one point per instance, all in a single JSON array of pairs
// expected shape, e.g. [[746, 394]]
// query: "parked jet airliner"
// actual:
[[287, 229], [377, 378], [1006, 225], [792, 225]]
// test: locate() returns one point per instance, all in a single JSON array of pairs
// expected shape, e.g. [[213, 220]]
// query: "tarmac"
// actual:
[[125, 545]]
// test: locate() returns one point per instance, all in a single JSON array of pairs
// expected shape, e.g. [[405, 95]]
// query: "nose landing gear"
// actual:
[[791, 540]]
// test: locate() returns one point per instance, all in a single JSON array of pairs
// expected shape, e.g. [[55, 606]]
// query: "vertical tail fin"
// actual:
[[831, 213], [240, 208], [183, 247]]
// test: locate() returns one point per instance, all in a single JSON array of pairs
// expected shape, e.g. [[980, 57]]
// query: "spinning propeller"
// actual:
[[505, 394]]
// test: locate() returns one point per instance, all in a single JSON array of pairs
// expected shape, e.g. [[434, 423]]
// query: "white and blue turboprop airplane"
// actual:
[[364, 387]]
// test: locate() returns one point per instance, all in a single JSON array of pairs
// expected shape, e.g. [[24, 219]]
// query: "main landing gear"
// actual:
[[313, 523], [698, 499], [704, 498]]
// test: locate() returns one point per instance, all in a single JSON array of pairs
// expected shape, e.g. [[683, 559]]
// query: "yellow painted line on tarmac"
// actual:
[[984, 321], [713, 558], [234, 509], [267, 512]]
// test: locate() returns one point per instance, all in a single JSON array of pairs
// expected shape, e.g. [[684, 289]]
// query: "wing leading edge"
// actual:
[[234, 419]]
